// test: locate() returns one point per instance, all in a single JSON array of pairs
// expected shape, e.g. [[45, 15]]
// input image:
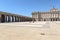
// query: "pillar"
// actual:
[[16, 18], [19, 19], [13, 18], [5, 18], [0, 18], [8, 18]]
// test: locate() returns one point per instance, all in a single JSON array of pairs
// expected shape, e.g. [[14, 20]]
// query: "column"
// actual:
[[16, 19], [0, 18], [12, 18], [19, 19], [8, 18], [5, 18]]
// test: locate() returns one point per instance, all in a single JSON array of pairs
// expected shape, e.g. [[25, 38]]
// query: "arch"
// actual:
[[2, 18]]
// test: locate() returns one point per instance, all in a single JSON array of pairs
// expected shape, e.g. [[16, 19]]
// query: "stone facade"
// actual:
[[8, 17], [52, 15]]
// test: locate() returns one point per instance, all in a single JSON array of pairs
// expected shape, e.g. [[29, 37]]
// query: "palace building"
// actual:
[[52, 15]]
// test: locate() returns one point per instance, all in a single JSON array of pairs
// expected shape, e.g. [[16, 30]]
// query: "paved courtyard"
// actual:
[[30, 31]]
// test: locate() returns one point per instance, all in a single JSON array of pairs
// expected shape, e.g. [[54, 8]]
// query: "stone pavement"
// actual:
[[30, 31]]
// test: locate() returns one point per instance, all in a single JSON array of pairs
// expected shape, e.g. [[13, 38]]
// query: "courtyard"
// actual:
[[30, 31]]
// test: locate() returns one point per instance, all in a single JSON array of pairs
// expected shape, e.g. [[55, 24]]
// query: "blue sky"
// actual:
[[26, 7]]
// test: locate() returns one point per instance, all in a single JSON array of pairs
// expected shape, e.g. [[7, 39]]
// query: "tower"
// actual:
[[53, 9]]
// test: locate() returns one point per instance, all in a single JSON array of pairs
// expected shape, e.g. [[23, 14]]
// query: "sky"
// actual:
[[26, 7]]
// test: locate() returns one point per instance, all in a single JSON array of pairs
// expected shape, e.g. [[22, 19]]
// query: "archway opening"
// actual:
[[2, 18]]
